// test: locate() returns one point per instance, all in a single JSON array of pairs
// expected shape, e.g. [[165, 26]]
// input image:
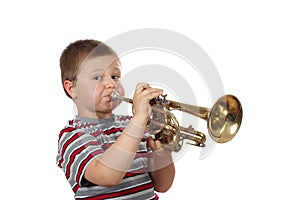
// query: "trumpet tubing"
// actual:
[[223, 121]]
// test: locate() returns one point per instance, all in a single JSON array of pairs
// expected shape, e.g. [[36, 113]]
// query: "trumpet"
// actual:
[[223, 121]]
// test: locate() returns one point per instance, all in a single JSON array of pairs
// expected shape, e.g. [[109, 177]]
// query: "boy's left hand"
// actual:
[[154, 145]]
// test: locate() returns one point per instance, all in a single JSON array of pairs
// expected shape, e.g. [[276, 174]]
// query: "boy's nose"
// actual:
[[109, 82]]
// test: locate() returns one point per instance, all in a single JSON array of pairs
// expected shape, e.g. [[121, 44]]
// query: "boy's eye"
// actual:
[[97, 78], [115, 77]]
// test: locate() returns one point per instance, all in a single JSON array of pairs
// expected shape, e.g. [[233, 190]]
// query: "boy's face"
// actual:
[[97, 78]]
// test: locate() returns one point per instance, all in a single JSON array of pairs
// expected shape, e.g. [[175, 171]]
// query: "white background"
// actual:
[[255, 46]]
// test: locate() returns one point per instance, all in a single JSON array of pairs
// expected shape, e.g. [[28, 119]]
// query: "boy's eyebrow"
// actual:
[[96, 70], [117, 69]]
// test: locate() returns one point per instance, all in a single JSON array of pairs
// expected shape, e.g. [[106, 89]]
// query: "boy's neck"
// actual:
[[96, 115], [93, 120]]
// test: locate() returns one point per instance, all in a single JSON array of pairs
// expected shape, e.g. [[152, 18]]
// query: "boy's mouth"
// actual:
[[107, 96]]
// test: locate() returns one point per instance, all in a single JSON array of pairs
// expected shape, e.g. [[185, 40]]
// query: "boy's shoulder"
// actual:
[[76, 126], [69, 128]]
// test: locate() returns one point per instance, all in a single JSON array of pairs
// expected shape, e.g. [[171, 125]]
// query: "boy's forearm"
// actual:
[[110, 168], [163, 178], [163, 170]]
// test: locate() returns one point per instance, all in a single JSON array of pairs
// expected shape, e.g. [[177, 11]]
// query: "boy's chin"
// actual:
[[107, 106], [103, 113], [106, 109], [116, 104]]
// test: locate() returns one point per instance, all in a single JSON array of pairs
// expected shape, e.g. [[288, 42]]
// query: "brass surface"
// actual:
[[223, 121]]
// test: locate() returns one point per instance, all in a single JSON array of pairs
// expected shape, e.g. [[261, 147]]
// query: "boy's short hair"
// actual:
[[75, 53]]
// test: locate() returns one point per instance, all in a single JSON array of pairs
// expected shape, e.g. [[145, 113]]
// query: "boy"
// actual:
[[105, 156]]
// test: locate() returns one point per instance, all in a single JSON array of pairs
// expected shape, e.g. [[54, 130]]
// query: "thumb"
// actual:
[[151, 143], [158, 144]]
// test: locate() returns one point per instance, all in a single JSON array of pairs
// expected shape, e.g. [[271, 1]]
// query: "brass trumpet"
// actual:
[[223, 121]]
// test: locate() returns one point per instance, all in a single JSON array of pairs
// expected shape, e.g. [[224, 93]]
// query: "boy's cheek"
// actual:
[[95, 90], [120, 89]]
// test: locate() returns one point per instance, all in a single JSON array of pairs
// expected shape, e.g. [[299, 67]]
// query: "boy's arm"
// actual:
[[163, 178], [163, 168], [110, 168]]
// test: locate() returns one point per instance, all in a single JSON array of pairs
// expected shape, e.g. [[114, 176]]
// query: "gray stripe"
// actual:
[[127, 183], [87, 128], [143, 195]]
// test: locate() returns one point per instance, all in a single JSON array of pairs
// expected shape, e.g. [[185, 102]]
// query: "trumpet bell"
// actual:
[[225, 118]]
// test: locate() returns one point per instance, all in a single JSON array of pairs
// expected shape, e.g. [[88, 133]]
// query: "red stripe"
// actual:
[[113, 130], [124, 118], [148, 155], [83, 163], [96, 133], [137, 172], [66, 144], [75, 153], [129, 191], [122, 193], [107, 132], [68, 129], [75, 188]]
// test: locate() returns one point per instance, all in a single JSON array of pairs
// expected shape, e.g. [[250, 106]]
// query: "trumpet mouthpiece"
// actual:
[[114, 95]]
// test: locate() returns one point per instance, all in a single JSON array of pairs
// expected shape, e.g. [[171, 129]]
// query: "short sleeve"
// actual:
[[76, 149]]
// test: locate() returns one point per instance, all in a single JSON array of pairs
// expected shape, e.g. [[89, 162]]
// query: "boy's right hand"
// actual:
[[141, 106]]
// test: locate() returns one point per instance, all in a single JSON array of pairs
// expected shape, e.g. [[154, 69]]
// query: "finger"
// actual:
[[141, 87], [151, 93], [151, 143], [158, 144]]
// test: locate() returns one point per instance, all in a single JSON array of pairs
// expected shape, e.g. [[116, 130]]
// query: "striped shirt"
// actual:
[[84, 139]]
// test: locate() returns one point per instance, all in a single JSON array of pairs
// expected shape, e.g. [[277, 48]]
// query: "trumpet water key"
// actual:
[[223, 121]]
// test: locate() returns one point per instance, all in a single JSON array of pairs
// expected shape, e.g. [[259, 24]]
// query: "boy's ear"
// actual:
[[69, 87]]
